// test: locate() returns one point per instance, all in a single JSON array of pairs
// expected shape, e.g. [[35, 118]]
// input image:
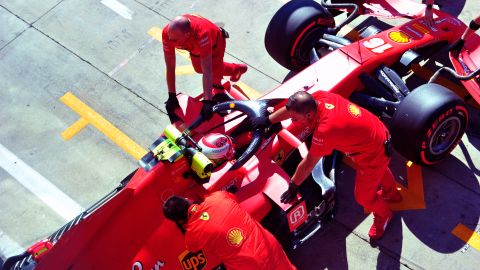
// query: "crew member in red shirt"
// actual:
[[206, 43], [341, 125], [220, 226]]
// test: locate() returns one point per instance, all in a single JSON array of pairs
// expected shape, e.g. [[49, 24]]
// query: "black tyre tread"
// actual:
[[415, 116]]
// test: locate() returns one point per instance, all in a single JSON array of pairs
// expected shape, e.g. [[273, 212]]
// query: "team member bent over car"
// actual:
[[221, 227], [206, 43], [344, 126]]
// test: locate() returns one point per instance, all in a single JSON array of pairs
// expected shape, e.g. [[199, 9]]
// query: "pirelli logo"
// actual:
[[193, 260]]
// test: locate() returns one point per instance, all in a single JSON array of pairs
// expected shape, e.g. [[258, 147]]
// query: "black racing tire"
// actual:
[[294, 30], [428, 124]]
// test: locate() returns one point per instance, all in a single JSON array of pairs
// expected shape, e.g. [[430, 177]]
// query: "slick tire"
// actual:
[[428, 124], [294, 30]]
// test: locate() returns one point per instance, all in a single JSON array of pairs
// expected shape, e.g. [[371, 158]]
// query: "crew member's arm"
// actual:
[[303, 170], [429, 12], [279, 115], [305, 167], [170, 63], [206, 63]]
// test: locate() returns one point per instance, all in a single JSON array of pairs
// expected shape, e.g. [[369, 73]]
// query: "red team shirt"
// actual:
[[347, 127], [220, 226], [202, 41]]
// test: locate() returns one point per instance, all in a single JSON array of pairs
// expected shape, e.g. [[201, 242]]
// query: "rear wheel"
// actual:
[[294, 30], [428, 124]]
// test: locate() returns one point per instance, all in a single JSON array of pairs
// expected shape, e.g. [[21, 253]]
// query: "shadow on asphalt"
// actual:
[[451, 193]]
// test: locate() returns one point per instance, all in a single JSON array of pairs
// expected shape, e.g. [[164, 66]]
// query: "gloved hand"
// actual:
[[261, 122], [457, 45], [207, 109], [170, 105], [291, 193]]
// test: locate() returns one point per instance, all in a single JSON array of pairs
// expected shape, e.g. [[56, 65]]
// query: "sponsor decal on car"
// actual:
[[377, 45], [235, 237], [354, 110], [420, 28], [398, 37], [297, 215], [192, 260]]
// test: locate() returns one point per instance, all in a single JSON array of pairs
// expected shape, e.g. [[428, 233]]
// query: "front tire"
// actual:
[[428, 124], [294, 30]]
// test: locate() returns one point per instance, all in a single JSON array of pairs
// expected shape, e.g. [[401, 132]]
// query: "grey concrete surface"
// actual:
[[50, 47]]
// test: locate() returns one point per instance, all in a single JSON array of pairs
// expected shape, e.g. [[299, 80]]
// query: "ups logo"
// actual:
[[192, 260]]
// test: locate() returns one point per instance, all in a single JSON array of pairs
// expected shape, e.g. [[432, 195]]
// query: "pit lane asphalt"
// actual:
[[101, 52]]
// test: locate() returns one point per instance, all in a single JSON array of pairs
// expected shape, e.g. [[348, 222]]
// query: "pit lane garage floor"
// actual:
[[107, 54]]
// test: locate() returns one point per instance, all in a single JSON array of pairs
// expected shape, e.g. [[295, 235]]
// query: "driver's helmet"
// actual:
[[217, 147]]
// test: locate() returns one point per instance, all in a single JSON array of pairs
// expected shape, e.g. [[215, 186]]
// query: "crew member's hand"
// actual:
[[207, 109], [170, 105], [429, 17], [261, 122], [456, 46], [291, 194]]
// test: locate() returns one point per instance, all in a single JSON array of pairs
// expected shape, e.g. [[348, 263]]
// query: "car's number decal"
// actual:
[[377, 45]]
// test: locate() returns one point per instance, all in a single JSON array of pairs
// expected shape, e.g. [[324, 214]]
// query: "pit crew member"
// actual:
[[206, 44], [220, 226], [342, 125]]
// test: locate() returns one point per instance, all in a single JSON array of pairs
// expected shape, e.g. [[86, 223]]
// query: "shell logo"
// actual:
[[354, 110], [235, 237], [399, 37]]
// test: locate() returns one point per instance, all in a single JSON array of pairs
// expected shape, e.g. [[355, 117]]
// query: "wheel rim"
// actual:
[[445, 135]]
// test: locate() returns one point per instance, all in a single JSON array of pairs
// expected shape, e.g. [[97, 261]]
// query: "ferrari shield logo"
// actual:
[[354, 110], [204, 216], [329, 106], [192, 260]]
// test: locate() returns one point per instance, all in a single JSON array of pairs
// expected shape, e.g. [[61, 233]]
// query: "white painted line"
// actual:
[[39, 185], [119, 8], [125, 61], [8, 247]]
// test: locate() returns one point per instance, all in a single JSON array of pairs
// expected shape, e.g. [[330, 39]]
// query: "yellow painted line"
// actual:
[[413, 197], [74, 129], [156, 32], [184, 70], [113, 133], [247, 90], [468, 236]]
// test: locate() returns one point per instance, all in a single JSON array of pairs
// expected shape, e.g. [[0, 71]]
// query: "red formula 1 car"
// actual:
[[127, 230]]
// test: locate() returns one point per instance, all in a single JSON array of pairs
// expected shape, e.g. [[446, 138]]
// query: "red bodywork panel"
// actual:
[[130, 232], [467, 61]]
